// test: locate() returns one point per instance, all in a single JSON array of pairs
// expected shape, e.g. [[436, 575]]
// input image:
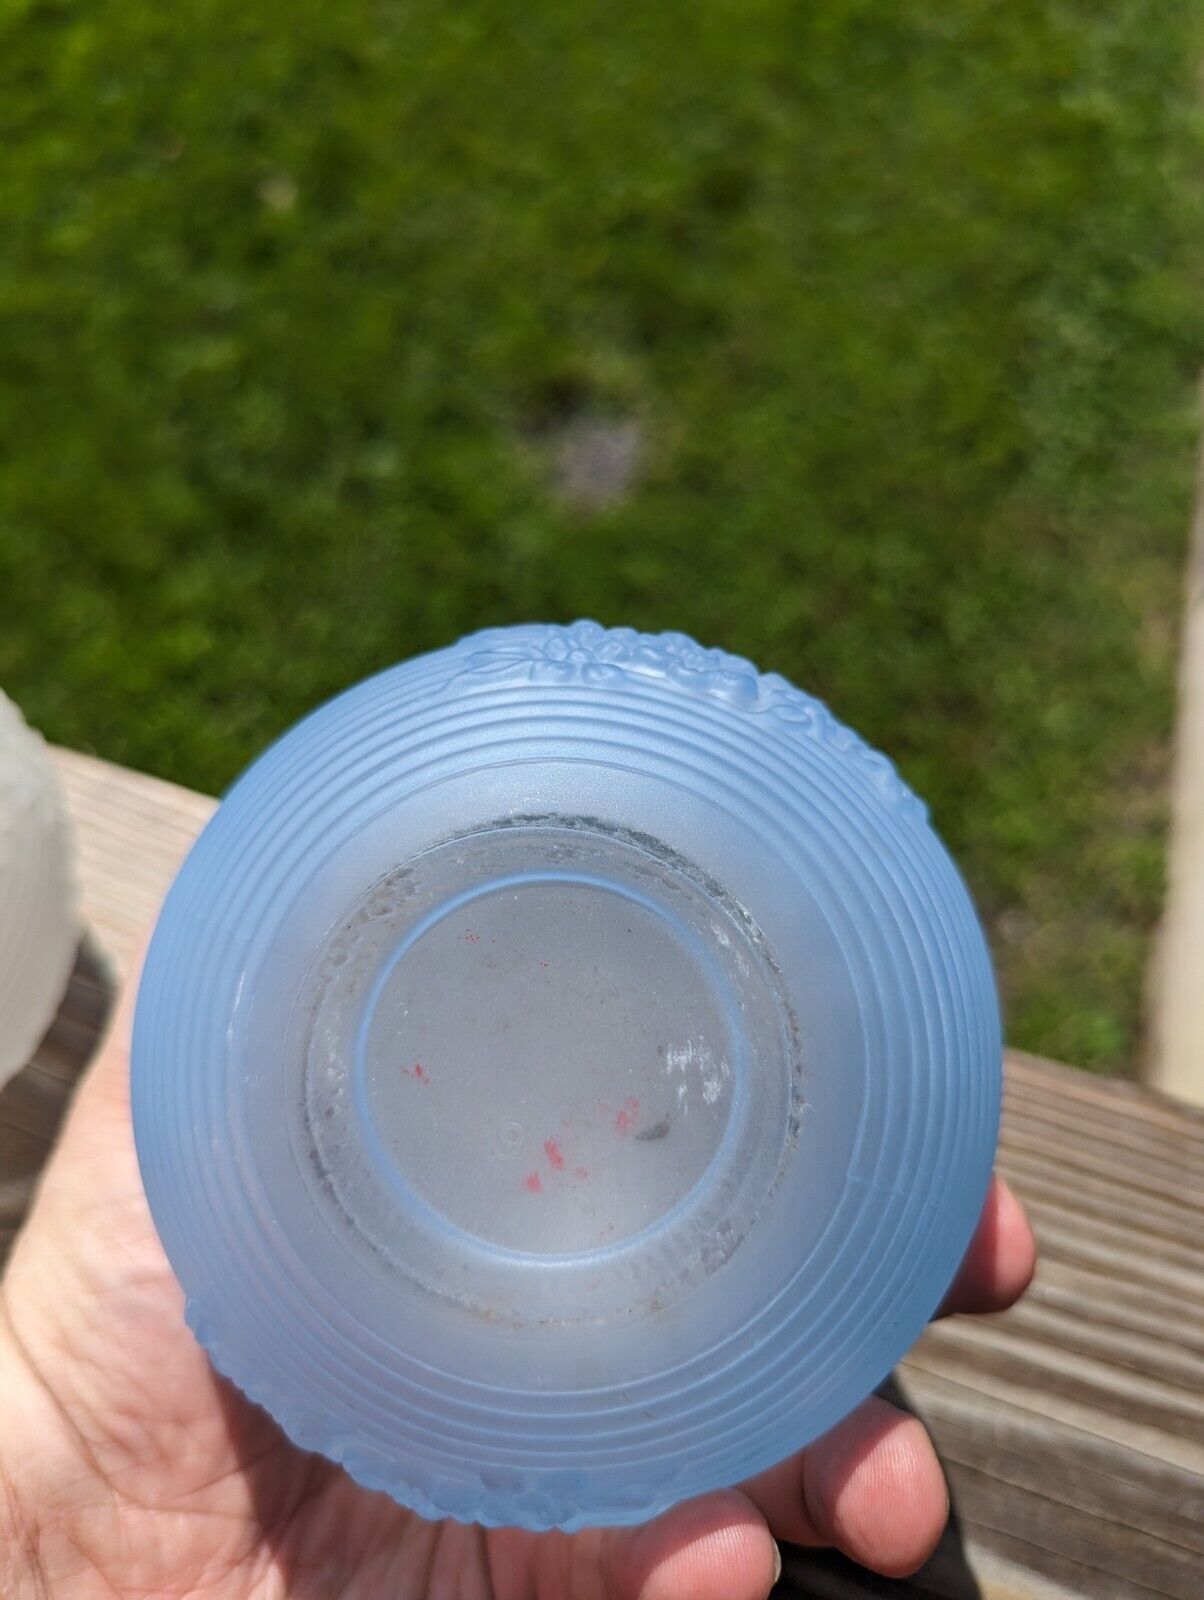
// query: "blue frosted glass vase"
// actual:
[[566, 1075]]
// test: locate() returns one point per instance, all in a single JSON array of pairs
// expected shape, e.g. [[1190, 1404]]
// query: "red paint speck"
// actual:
[[625, 1120], [472, 938], [420, 1072], [554, 1154], [582, 1172], [532, 1183]]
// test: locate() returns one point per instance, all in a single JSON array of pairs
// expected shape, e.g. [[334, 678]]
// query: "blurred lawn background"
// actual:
[[300, 302]]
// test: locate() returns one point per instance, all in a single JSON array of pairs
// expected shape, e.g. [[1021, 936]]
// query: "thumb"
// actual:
[[717, 1547]]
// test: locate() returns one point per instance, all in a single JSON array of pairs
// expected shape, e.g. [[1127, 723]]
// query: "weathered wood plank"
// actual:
[[1072, 1428], [131, 833]]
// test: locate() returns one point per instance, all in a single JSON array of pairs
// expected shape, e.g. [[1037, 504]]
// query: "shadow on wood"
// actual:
[[32, 1104]]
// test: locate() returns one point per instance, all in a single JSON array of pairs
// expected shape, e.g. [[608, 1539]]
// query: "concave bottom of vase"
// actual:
[[546, 1068]]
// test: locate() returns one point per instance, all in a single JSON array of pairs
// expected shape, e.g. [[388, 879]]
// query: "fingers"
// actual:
[[713, 1548], [872, 1488], [999, 1264]]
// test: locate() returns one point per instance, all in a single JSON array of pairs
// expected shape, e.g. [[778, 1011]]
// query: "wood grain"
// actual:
[[131, 833], [1072, 1428]]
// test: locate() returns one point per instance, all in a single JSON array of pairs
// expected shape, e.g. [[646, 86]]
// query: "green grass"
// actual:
[[293, 297]]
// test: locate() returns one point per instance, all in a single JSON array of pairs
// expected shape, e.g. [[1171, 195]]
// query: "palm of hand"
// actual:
[[133, 1469]]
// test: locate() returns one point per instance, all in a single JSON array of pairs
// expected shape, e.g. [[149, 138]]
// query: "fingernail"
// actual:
[[777, 1563]]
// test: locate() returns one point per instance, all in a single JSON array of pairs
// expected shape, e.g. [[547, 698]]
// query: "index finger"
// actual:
[[999, 1264]]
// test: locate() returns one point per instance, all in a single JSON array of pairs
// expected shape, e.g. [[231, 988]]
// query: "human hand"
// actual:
[[129, 1467]]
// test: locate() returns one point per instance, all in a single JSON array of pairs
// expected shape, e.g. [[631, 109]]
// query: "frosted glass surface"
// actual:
[[566, 1075]]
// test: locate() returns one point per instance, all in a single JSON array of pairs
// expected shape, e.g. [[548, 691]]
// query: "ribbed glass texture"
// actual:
[[566, 1075]]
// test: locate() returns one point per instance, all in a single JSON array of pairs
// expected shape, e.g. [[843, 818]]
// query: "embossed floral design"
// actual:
[[576, 654], [588, 654]]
